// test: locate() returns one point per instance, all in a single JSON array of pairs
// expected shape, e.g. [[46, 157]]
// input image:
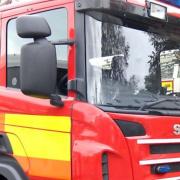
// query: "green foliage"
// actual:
[[113, 43], [153, 80]]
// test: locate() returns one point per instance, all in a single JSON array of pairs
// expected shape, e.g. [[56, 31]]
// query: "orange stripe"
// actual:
[[2, 119], [40, 178], [43, 168], [50, 169]]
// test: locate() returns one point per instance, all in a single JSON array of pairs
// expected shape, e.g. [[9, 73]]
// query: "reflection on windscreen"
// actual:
[[126, 66], [170, 70]]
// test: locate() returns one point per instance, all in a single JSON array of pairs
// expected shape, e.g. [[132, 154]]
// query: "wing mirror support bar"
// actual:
[[69, 42], [55, 99]]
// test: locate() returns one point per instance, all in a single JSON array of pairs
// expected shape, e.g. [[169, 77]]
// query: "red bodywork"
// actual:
[[93, 131], [96, 133]]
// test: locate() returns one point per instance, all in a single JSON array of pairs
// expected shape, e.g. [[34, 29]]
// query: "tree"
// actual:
[[133, 83], [113, 43]]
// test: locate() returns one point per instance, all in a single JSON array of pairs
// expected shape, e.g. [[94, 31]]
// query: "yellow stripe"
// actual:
[[54, 123], [40, 143]]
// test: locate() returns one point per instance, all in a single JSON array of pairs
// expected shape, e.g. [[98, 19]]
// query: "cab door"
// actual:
[[39, 133]]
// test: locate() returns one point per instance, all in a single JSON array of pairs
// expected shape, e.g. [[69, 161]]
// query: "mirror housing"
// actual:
[[38, 62]]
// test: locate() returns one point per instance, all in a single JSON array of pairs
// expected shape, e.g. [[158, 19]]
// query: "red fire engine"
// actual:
[[81, 93]]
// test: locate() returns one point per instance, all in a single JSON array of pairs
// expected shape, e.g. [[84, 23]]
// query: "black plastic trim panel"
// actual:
[[5, 146], [130, 129], [80, 80], [164, 148]]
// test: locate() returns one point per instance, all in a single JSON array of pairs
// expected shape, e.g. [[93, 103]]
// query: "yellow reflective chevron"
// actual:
[[54, 123], [44, 137]]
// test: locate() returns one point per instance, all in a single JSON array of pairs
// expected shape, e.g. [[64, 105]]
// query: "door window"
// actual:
[[57, 20]]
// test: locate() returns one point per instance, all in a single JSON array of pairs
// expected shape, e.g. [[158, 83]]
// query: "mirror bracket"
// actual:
[[56, 100], [69, 42], [77, 85]]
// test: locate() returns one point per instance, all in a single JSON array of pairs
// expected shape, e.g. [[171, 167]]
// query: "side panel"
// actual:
[[41, 143], [39, 133], [46, 140], [99, 149]]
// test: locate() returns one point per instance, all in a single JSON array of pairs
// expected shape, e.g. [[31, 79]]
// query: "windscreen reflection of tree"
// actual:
[[113, 43], [153, 80]]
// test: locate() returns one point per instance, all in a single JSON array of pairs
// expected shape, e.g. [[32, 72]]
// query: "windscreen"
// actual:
[[129, 66]]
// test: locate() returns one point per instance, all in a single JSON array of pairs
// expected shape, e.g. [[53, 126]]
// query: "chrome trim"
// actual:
[[158, 141], [173, 178], [159, 161]]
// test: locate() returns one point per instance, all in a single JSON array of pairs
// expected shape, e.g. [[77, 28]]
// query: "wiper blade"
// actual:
[[148, 105]]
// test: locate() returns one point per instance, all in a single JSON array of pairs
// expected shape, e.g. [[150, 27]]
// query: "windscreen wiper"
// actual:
[[148, 105]]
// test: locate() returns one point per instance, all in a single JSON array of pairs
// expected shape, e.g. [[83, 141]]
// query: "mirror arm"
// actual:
[[69, 42]]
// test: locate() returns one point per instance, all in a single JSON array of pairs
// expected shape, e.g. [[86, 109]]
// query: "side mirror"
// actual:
[[38, 63]]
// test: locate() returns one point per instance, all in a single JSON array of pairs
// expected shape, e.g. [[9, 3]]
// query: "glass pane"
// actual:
[[128, 66], [57, 20]]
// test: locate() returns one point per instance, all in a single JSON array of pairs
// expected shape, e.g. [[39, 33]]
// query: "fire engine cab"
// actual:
[[84, 90]]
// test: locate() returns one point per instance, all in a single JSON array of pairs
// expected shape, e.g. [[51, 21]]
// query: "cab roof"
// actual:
[[15, 5]]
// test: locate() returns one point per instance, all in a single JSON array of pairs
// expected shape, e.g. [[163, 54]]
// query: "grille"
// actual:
[[105, 171], [164, 148]]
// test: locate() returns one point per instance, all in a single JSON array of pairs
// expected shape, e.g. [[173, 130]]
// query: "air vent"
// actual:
[[105, 170], [164, 148], [130, 129]]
